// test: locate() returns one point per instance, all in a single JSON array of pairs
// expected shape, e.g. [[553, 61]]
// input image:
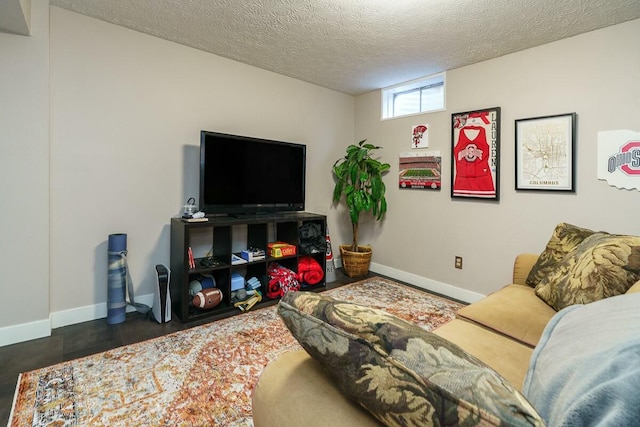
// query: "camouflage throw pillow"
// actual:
[[565, 238], [402, 374], [603, 265]]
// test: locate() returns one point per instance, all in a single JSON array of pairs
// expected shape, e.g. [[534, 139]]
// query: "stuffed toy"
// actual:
[[309, 270]]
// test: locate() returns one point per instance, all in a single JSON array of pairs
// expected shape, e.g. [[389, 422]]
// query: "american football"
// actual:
[[207, 298]]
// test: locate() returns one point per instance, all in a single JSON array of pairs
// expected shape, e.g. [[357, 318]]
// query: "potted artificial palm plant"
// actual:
[[359, 180]]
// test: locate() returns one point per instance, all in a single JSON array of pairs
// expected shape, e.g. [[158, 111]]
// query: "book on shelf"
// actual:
[[235, 260], [205, 219]]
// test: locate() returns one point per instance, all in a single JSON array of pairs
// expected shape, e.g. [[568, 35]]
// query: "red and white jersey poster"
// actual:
[[475, 154]]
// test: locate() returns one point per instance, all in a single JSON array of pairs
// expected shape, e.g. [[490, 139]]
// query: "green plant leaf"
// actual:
[[354, 214], [373, 164], [367, 202], [383, 207], [377, 188], [352, 149], [357, 201], [362, 155]]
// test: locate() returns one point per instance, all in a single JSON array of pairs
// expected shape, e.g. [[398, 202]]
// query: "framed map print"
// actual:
[[475, 154], [545, 158]]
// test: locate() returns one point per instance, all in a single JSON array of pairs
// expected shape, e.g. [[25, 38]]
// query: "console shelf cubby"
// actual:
[[212, 244]]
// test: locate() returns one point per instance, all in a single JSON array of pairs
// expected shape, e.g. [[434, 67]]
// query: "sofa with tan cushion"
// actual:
[[502, 331]]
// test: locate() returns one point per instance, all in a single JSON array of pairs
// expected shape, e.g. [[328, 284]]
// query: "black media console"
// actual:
[[213, 243]]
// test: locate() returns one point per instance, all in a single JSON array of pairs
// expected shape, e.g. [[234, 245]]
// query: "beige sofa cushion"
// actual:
[[507, 357], [293, 390], [635, 288], [514, 311], [522, 266]]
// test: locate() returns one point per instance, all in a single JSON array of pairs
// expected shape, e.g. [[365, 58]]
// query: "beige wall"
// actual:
[[126, 114], [595, 75], [24, 180]]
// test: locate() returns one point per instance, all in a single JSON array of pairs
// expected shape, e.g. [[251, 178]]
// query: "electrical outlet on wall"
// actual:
[[458, 263]]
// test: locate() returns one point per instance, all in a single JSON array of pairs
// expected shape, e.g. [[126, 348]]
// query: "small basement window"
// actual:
[[415, 97]]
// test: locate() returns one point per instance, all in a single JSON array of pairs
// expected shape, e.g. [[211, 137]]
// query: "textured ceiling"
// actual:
[[355, 46]]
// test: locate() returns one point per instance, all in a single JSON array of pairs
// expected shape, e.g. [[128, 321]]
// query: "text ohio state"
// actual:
[[627, 161]]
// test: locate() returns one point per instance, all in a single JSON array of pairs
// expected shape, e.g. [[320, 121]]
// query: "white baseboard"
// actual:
[[42, 328], [25, 332], [422, 282], [427, 284], [90, 312]]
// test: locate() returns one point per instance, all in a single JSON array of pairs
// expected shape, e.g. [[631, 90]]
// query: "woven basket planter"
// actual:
[[355, 264]]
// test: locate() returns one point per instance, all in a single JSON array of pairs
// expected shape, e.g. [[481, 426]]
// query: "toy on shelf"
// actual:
[[245, 300], [207, 298]]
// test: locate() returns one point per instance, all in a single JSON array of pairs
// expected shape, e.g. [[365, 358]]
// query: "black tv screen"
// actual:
[[244, 175]]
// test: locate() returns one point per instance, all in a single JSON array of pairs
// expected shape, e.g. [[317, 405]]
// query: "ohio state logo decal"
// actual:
[[627, 160], [619, 158]]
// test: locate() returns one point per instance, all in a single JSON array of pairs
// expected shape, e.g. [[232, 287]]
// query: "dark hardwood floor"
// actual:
[[84, 339]]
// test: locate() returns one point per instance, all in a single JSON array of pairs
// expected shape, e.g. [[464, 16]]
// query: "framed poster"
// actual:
[[475, 154], [420, 170], [545, 159]]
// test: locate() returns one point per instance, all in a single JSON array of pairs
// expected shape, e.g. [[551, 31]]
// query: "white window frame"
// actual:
[[388, 94]]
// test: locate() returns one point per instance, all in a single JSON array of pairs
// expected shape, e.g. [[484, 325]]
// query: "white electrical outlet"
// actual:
[[458, 263]]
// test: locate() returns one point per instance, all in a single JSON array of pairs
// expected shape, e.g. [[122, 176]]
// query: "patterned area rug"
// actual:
[[201, 376]]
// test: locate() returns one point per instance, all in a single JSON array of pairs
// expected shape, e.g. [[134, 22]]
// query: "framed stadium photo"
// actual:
[[475, 154], [420, 170], [545, 153]]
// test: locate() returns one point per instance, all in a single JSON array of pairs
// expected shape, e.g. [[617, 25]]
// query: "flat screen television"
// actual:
[[240, 175]]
